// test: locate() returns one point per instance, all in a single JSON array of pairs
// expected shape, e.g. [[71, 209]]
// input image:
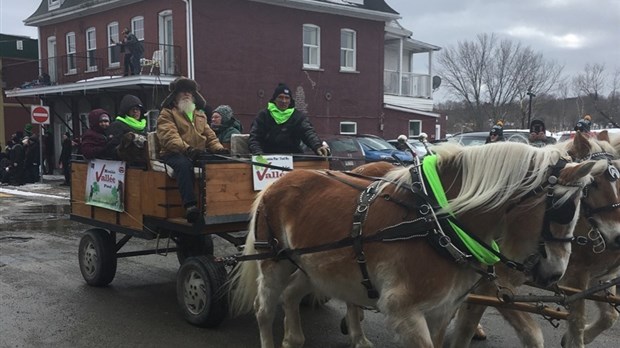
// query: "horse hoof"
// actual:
[[479, 334]]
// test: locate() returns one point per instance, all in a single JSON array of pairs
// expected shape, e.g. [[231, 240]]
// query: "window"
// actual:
[[137, 27], [53, 4], [348, 128], [415, 127], [19, 45], [312, 46], [114, 50], [71, 67], [91, 49], [347, 50]]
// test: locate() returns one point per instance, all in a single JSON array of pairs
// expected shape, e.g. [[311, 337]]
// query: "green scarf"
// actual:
[[278, 115], [482, 254], [190, 116], [132, 122]]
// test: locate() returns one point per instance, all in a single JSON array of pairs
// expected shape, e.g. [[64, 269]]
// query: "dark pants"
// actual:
[[184, 174], [135, 64], [127, 64], [66, 171]]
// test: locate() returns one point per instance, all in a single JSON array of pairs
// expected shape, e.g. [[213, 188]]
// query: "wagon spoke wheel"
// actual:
[[200, 291], [97, 257]]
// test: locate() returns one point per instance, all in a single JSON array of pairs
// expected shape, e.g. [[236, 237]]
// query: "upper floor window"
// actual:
[[113, 49], [19, 45], [347, 49], [312, 46], [91, 49], [137, 27], [53, 4], [70, 47]]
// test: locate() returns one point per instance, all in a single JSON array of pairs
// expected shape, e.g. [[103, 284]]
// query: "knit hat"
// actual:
[[104, 117], [130, 101], [182, 84], [282, 88], [537, 126], [225, 111], [497, 130]]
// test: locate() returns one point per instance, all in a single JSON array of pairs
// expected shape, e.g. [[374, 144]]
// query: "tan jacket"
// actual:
[[176, 133]]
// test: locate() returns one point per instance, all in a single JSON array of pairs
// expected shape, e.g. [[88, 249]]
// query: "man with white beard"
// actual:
[[184, 134]]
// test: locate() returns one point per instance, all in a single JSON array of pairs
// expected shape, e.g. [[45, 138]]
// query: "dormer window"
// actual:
[[53, 4]]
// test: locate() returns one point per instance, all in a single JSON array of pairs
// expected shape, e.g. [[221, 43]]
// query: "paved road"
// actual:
[[44, 301]]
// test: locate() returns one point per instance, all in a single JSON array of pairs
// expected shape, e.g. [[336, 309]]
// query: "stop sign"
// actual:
[[40, 114]]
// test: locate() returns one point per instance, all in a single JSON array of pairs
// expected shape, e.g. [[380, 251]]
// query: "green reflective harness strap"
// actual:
[[481, 253]]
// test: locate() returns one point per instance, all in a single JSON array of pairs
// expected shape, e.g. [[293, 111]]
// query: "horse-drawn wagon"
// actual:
[[152, 210]]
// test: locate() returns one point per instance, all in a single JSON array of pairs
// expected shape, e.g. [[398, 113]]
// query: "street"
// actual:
[[45, 302]]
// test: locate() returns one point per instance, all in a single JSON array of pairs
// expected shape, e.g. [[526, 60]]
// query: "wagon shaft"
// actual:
[[525, 307]]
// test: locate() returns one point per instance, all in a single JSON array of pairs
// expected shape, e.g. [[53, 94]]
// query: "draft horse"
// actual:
[[398, 256], [596, 257]]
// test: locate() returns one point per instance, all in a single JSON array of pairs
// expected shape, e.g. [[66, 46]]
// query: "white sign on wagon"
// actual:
[[263, 176], [105, 184]]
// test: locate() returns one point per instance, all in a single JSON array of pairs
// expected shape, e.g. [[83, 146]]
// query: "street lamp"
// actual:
[[529, 112]]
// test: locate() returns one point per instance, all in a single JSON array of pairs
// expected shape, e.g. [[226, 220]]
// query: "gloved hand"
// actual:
[[193, 153], [323, 151], [223, 151]]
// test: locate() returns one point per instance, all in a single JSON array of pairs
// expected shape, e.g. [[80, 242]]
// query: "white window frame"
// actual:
[[348, 54], [347, 124], [19, 45], [411, 129], [113, 38], [137, 27], [53, 4], [91, 49], [310, 49], [71, 51]]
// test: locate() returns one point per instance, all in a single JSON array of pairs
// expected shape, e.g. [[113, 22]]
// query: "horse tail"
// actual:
[[243, 285]]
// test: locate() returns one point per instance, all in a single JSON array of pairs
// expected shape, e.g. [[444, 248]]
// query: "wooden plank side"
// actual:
[[132, 216], [153, 187], [78, 189]]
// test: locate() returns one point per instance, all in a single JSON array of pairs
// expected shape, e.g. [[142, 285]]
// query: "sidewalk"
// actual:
[[50, 188]]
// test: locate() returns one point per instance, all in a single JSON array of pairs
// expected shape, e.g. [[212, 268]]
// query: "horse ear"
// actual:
[[603, 136], [574, 173]]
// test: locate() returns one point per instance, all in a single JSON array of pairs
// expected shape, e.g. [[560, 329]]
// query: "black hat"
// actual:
[[497, 130], [281, 89], [182, 84], [583, 125]]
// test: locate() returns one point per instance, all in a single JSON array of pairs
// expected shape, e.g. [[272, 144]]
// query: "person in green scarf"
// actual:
[[280, 128], [129, 119]]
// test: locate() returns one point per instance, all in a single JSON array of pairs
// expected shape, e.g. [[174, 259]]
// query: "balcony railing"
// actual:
[[108, 61], [413, 85]]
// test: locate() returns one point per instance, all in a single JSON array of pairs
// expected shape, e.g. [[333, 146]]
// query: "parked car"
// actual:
[[479, 138], [378, 149], [566, 135], [418, 146]]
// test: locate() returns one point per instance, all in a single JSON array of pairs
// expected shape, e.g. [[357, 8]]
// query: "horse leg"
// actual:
[[354, 318], [298, 287], [527, 329], [437, 321], [272, 280], [465, 323], [576, 325], [408, 322], [607, 317]]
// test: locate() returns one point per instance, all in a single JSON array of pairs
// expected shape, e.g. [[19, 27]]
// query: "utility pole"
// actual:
[[529, 112]]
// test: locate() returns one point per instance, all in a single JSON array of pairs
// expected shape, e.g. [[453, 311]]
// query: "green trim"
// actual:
[[481, 253], [132, 122]]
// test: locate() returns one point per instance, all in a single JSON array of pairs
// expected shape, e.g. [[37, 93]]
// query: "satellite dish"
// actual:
[[436, 82]]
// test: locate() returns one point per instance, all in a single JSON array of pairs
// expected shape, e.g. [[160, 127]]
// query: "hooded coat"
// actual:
[[118, 128], [230, 125], [94, 142]]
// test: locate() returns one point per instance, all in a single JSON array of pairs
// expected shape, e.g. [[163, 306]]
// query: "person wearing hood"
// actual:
[[224, 123], [130, 119], [184, 134], [32, 160], [280, 128], [538, 134], [94, 142]]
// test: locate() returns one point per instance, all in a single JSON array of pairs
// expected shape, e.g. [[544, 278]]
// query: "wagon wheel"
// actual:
[[97, 257], [193, 245], [200, 291]]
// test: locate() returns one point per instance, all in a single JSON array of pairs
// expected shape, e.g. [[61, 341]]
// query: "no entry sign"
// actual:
[[40, 114]]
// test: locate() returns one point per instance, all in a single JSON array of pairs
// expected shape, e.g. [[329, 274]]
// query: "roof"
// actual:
[[69, 9]]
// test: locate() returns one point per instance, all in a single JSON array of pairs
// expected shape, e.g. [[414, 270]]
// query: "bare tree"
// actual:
[[490, 76], [590, 86]]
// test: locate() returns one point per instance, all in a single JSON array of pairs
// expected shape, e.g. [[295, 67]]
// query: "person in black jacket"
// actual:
[[65, 158], [129, 119], [280, 128]]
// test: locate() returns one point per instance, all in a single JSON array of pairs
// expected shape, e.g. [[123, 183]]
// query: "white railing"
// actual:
[[413, 85]]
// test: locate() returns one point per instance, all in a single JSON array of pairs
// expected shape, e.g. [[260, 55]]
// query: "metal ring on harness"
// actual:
[[424, 209]]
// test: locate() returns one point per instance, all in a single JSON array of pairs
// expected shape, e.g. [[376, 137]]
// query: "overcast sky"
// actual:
[[571, 32]]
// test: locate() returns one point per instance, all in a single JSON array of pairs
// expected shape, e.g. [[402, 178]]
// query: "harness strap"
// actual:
[[361, 212]]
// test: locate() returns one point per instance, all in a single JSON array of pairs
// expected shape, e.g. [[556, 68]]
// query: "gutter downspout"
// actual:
[[189, 28]]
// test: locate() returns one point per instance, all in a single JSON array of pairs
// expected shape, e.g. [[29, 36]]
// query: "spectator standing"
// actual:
[[17, 161], [32, 158], [280, 128], [135, 49], [65, 158], [496, 133]]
